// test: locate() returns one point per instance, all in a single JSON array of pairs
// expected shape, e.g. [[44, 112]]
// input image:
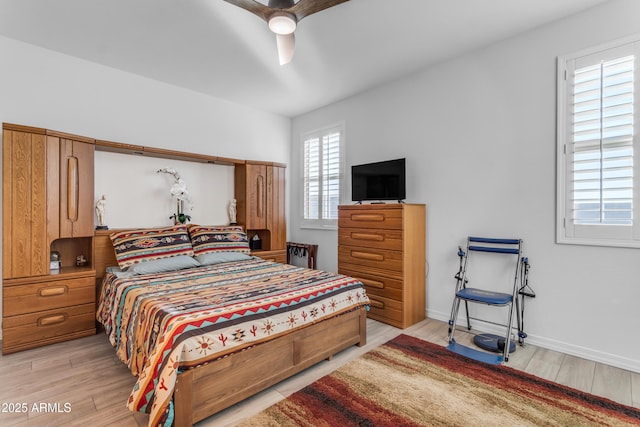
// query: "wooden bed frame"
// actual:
[[210, 388]]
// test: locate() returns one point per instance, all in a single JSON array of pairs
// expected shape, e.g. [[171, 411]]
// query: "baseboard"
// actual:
[[573, 350]]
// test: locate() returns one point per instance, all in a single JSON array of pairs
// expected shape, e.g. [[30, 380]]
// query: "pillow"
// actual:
[[149, 244], [118, 272], [164, 264], [220, 257], [208, 239]]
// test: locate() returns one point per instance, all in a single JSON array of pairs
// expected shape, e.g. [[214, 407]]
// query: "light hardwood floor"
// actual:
[[85, 375]]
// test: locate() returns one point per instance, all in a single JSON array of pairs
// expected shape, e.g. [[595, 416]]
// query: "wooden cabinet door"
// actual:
[[276, 220], [24, 189], [76, 188], [256, 196]]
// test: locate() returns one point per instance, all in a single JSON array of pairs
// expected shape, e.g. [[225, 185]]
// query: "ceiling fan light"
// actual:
[[282, 23]]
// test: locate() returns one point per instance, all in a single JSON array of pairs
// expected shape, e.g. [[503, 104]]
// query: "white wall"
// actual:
[[138, 196], [46, 89], [478, 133]]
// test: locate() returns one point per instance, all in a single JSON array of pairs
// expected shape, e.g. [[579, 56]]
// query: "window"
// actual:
[[598, 146], [322, 180]]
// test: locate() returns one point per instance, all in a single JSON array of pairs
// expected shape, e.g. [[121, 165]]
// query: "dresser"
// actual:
[[384, 246]]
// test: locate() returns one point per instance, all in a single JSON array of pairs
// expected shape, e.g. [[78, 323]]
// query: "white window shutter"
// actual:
[[602, 141], [322, 176], [330, 175], [598, 146], [311, 178]]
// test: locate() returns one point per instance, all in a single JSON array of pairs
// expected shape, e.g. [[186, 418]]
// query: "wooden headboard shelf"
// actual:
[[140, 150]]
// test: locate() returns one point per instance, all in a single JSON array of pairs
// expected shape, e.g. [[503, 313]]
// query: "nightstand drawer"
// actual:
[[376, 238], [376, 258], [376, 284], [370, 218], [279, 255], [46, 326], [23, 299]]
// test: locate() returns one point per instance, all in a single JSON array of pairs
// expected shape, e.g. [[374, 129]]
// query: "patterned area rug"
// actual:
[[410, 382]]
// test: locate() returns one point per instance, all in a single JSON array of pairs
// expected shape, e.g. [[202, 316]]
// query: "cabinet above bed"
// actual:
[[47, 200], [259, 193]]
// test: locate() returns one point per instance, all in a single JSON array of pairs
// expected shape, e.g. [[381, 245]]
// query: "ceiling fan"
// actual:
[[283, 16]]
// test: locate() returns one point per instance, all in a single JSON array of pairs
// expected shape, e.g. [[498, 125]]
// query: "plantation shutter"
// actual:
[[598, 115], [322, 175], [312, 178], [603, 142], [331, 175]]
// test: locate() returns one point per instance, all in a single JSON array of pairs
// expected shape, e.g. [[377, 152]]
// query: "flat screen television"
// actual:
[[378, 181]]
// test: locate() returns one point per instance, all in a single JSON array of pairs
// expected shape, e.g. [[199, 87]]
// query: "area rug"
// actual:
[[410, 382]]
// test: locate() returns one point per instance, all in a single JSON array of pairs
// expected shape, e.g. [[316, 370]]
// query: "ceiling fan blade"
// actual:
[[280, 4], [307, 7], [254, 7], [286, 46]]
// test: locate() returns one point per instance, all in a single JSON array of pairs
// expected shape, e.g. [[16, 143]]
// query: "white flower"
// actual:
[[179, 188]]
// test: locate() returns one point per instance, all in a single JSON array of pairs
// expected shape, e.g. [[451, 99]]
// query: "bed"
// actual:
[[221, 327]]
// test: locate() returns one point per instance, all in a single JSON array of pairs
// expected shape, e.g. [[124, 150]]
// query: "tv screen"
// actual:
[[378, 181]]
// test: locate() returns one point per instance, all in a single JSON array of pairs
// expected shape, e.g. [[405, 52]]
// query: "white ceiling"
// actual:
[[213, 47]]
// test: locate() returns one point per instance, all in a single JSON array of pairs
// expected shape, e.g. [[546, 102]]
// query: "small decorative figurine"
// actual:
[[100, 213], [233, 212]]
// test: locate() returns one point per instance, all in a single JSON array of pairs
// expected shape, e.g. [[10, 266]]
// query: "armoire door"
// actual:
[[256, 196], [25, 192], [76, 189]]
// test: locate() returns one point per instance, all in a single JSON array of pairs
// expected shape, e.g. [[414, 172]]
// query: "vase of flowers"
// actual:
[[180, 192]]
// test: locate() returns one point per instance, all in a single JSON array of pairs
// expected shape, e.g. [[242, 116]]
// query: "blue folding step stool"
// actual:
[[501, 247]]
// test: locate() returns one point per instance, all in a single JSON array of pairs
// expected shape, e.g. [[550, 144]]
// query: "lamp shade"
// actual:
[[282, 23]]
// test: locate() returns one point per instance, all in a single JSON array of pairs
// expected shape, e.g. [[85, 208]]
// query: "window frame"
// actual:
[[593, 235], [322, 224]]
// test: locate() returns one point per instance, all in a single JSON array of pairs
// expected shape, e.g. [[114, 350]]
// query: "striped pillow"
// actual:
[[209, 239], [134, 246]]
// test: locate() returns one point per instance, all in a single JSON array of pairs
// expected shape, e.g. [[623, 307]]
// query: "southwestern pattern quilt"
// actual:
[[161, 324]]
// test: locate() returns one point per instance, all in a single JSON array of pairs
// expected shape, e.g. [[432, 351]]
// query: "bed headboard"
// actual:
[[104, 255]]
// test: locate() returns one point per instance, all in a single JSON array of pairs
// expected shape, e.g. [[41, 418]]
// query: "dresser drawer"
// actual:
[[386, 310], [371, 238], [370, 218], [377, 258], [46, 326], [29, 298], [376, 284]]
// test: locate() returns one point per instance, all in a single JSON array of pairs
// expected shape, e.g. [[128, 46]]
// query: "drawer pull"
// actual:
[[54, 319], [367, 217], [367, 256], [373, 283], [367, 236], [376, 304], [50, 292]]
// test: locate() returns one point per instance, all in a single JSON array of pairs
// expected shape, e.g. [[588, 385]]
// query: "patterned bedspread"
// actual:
[[164, 323]]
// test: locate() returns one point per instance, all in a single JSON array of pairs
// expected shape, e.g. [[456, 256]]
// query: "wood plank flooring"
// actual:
[[81, 382]]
